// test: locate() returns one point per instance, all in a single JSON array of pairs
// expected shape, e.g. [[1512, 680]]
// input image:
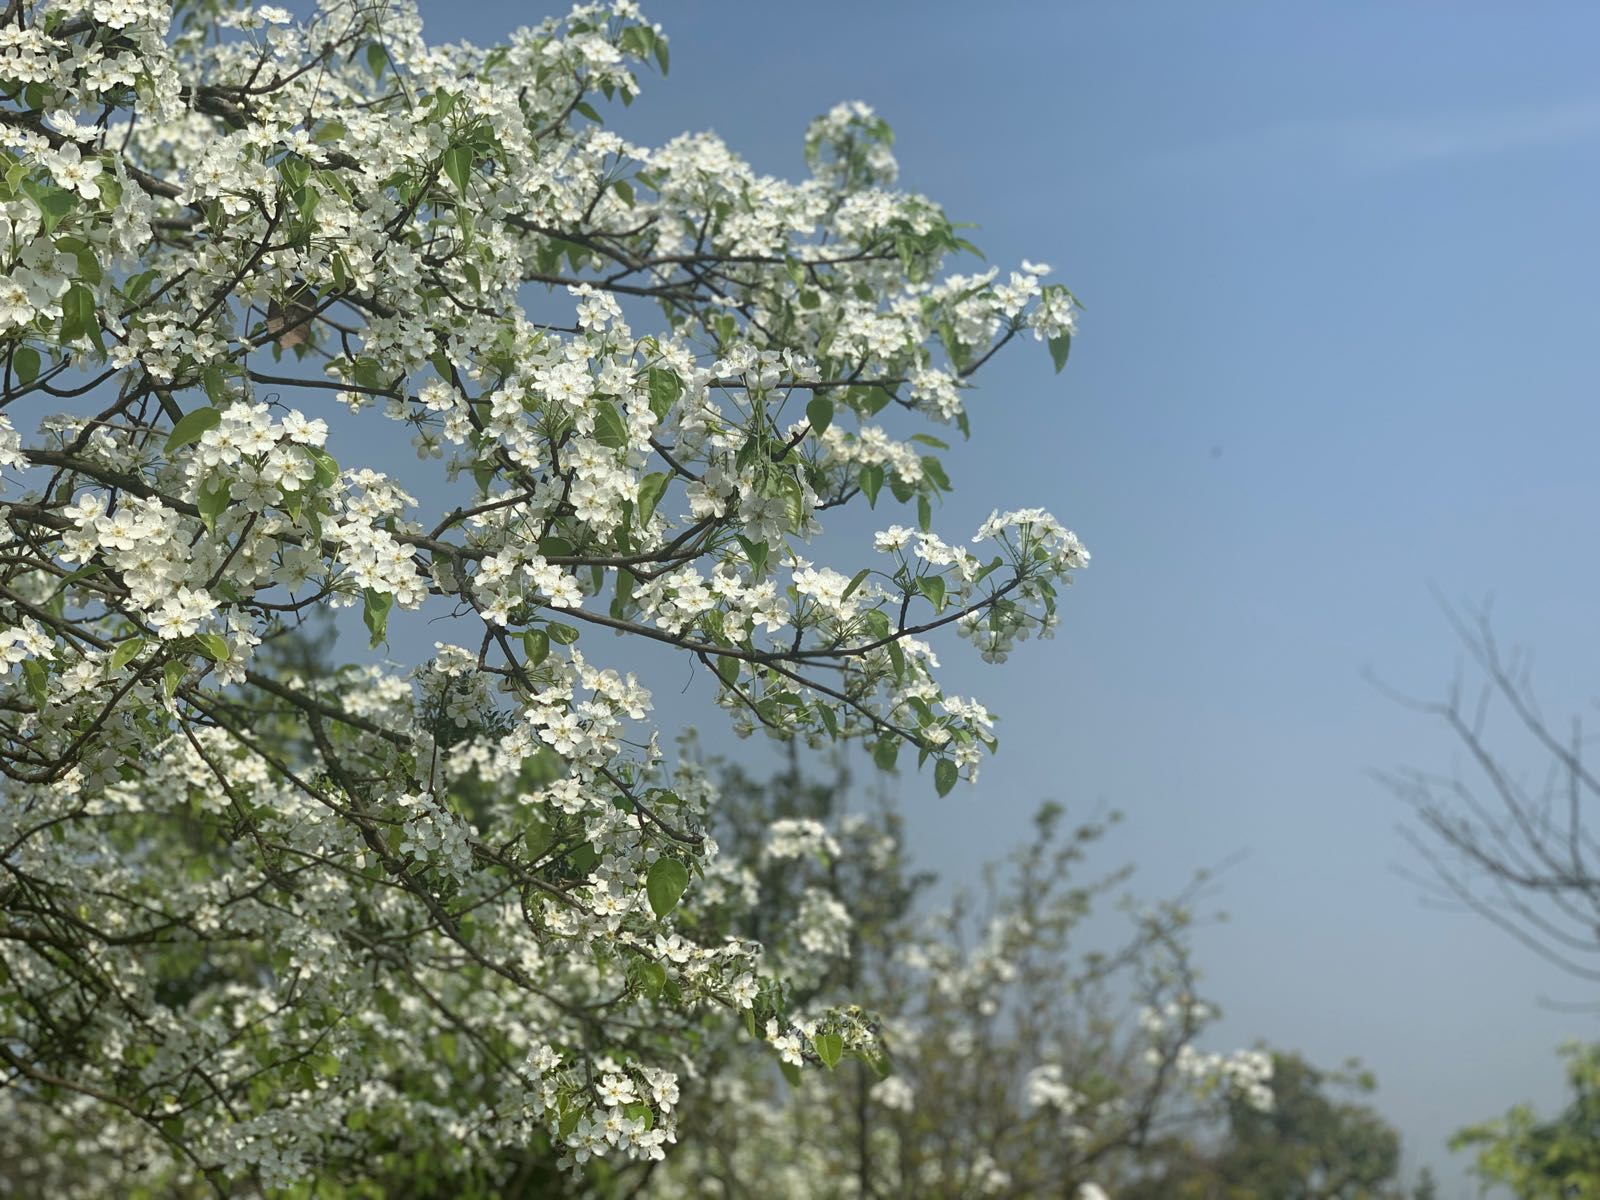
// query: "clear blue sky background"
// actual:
[[1340, 266]]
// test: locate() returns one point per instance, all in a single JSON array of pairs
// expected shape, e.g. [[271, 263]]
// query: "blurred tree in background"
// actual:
[[1317, 1142], [1510, 835], [1553, 1159], [1026, 1058]]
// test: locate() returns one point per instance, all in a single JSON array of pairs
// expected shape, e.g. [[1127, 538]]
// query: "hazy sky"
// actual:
[[1340, 274]]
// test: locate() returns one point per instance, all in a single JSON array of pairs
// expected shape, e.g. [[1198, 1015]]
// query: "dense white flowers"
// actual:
[[307, 315], [1247, 1073], [1045, 1087]]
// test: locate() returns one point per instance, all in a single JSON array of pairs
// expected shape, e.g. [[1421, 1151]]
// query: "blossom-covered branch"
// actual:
[[238, 882]]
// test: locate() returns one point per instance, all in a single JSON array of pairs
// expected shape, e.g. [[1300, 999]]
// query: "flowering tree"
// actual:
[[1025, 1062], [261, 920], [1320, 1140]]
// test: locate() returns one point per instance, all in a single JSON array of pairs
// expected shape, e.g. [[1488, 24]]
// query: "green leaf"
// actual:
[[212, 500], [88, 264], [25, 362], [651, 489], [1060, 347], [212, 645], [555, 547], [932, 586], [192, 426], [871, 480], [38, 679], [934, 470], [830, 719], [458, 166], [665, 884], [327, 466], [369, 374], [755, 553], [652, 977], [869, 401], [665, 388], [216, 387], [794, 502], [79, 318], [377, 59], [878, 1059], [790, 1072], [483, 476], [375, 611], [856, 581], [622, 594], [135, 286], [294, 171], [563, 634], [820, 413], [536, 646], [728, 670], [172, 677], [829, 1048], [126, 652], [885, 751], [54, 204], [944, 775], [609, 428], [624, 190], [306, 200]]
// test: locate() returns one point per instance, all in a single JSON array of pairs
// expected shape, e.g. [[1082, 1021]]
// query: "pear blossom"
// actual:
[[292, 903]]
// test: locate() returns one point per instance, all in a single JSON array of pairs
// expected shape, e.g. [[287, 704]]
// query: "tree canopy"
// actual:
[[267, 918], [1031, 1054], [1556, 1158], [1312, 1143]]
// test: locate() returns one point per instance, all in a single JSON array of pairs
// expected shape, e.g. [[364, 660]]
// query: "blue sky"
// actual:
[[1339, 268]]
